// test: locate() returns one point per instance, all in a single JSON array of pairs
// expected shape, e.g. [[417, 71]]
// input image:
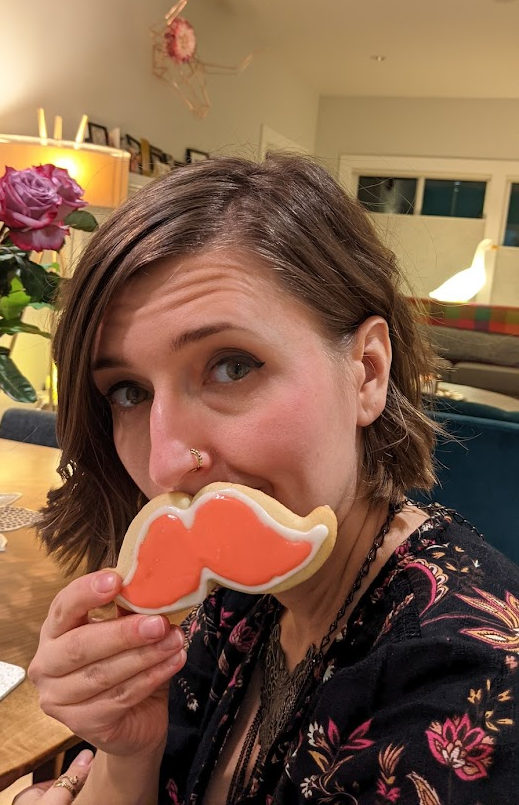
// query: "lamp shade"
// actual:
[[101, 171]]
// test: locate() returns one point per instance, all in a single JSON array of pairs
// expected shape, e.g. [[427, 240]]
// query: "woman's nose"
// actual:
[[177, 454]]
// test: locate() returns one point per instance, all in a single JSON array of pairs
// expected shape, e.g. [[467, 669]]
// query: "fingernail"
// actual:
[[84, 758], [179, 638], [152, 627], [177, 661], [173, 640], [104, 583]]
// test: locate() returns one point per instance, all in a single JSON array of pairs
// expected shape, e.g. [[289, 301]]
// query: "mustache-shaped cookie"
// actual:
[[177, 548]]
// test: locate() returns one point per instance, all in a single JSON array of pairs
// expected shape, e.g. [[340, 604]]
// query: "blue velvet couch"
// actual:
[[478, 471]]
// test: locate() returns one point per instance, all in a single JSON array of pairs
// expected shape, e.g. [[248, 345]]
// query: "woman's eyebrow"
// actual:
[[182, 340], [199, 333], [108, 362]]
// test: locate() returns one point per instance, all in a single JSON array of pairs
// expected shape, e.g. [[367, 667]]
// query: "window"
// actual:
[[512, 221], [475, 198], [387, 194], [453, 197]]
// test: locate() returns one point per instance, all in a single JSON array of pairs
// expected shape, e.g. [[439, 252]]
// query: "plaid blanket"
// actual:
[[485, 318]]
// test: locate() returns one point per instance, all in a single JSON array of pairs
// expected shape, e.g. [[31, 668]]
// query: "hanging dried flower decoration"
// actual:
[[175, 60], [180, 40]]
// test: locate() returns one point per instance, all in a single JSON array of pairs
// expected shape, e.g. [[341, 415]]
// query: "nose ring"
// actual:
[[199, 460]]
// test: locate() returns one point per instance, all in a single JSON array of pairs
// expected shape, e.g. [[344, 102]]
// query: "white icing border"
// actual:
[[315, 535]]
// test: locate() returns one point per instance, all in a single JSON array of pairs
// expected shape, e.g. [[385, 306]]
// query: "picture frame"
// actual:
[[146, 166], [170, 160], [134, 147], [114, 138], [193, 155], [160, 169], [156, 155], [97, 134]]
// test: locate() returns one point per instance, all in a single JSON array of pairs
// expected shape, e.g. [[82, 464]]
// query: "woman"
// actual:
[[246, 315]]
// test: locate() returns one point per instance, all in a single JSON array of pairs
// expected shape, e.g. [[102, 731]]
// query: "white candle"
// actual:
[[80, 136], [58, 127], [42, 126]]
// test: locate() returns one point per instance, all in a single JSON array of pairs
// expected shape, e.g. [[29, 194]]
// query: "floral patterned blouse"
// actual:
[[416, 703]]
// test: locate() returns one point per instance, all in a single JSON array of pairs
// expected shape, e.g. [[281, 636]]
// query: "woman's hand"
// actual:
[[106, 681], [48, 793]]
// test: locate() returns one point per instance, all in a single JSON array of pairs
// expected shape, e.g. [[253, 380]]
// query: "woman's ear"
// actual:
[[371, 355]]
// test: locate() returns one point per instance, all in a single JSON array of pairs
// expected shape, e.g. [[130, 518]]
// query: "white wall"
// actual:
[[429, 127], [31, 354], [95, 57], [431, 249]]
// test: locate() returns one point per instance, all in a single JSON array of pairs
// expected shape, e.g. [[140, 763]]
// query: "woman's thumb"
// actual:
[[74, 778], [69, 783]]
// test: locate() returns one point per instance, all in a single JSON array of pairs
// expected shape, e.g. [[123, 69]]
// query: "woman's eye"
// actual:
[[230, 369], [127, 396]]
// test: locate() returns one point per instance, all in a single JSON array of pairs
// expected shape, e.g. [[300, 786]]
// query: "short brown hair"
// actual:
[[290, 213]]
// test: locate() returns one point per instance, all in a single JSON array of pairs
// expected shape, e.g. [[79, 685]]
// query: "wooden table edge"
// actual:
[[28, 766]]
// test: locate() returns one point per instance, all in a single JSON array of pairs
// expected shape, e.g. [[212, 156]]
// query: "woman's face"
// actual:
[[209, 353]]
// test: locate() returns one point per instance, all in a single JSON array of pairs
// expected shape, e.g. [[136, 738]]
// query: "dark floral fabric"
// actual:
[[416, 703]]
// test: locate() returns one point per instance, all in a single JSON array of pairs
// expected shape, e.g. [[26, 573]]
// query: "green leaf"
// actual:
[[6, 256], [41, 285], [12, 326], [81, 219], [7, 272], [40, 305], [12, 255], [12, 382], [10, 252], [21, 259], [16, 284], [13, 304]]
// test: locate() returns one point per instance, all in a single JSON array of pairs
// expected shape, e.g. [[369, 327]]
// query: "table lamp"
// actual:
[[101, 171]]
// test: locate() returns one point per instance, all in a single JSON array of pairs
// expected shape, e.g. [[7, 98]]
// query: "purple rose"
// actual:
[[34, 203], [69, 190], [36, 240]]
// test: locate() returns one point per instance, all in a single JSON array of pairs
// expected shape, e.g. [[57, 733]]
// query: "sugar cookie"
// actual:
[[177, 548]]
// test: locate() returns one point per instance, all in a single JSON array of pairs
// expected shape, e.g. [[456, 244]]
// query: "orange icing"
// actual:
[[226, 537]]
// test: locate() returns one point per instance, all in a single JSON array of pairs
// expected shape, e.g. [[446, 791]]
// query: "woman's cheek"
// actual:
[[282, 428], [132, 446]]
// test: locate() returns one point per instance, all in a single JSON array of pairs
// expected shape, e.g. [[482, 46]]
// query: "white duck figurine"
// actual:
[[467, 283]]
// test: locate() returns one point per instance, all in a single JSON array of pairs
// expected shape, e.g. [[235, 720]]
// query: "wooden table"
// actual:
[[29, 580]]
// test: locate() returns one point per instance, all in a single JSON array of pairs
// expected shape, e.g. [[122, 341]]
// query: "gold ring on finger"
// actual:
[[70, 783]]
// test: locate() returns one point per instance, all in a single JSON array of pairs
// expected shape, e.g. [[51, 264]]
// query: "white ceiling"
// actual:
[[433, 48]]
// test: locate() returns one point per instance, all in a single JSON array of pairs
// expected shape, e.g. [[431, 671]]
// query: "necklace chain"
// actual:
[[281, 691], [394, 508]]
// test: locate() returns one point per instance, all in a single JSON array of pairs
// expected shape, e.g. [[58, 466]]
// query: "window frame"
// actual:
[[498, 174], [453, 182], [508, 213]]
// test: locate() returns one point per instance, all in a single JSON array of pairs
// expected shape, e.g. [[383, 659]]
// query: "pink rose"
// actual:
[[27, 199], [36, 240], [69, 190], [34, 202]]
